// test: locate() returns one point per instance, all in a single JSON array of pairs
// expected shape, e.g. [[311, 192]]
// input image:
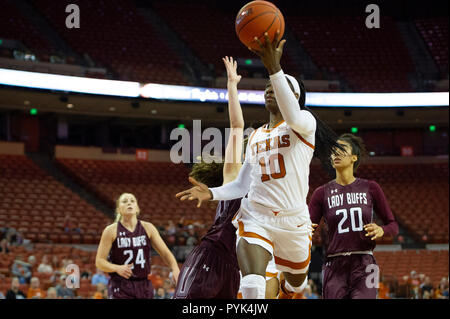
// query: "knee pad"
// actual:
[[253, 287], [297, 289]]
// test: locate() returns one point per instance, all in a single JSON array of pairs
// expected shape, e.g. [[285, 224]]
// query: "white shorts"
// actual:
[[287, 237]]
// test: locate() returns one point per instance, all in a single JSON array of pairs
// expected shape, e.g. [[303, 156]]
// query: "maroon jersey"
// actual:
[[346, 209], [131, 248], [222, 232]]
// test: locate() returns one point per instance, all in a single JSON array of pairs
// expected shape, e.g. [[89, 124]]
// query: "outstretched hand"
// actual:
[[270, 52], [231, 66], [200, 192]]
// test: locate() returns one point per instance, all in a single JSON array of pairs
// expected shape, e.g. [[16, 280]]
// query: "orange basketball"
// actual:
[[256, 18]]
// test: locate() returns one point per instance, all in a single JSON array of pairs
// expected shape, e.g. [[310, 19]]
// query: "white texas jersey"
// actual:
[[280, 160]]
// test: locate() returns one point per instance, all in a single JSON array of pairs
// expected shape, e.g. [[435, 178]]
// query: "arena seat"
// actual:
[[417, 195], [400, 263], [13, 25], [40, 221], [153, 184], [116, 36], [371, 60], [435, 34], [191, 19]]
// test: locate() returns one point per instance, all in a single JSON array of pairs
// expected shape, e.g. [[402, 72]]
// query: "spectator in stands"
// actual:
[[55, 262], [51, 293], [44, 266], [161, 294], [62, 290], [427, 286], [404, 288], [4, 246], [309, 294], [100, 293], [169, 288], [32, 262], [191, 236], [70, 225], [99, 277], [171, 229], [22, 270], [86, 274], [155, 278], [8, 233], [15, 292], [35, 291], [2, 296]]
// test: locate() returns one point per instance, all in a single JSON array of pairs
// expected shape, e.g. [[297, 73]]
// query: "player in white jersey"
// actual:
[[273, 221]]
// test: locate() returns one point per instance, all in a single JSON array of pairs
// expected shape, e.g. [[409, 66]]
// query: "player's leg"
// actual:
[[335, 273], [292, 256], [231, 279], [272, 288], [364, 277], [197, 279], [253, 260], [272, 280]]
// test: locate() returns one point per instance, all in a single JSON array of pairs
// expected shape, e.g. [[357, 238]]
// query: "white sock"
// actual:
[[296, 289], [253, 287]]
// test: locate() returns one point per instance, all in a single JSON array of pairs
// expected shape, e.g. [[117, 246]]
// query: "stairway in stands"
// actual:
[[46, 163]]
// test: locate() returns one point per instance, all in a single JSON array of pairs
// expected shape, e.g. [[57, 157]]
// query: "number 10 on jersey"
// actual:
[[273, 171]]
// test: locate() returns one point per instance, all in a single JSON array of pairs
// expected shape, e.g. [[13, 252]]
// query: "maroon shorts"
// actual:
[[208, 273], [349, 277], [119, 288]]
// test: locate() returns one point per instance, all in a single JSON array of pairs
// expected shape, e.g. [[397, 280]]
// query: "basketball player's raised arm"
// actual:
[[237, 188], [301, 121], [233, 150], [382, 209]]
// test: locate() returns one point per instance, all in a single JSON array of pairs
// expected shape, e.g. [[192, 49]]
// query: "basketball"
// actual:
[[256, 18]]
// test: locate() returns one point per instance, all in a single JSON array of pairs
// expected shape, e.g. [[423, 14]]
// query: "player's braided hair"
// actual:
[[326, 138], [357, 145]]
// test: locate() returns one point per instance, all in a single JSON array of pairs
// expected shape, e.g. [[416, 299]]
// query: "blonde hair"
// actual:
[[118, 215]]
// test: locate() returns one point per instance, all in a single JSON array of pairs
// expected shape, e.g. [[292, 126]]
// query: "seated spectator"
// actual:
[[171, 229], [70, 225], [161, 294], [427, 286], [404, 288], [35, 291], [55, 262], [21, 270], [62, 290], [99, 277], [309, 294], [51, 293], [86, 274], [32, 262], [169, 288], [4, 246], [8, 233], [191, 236], [15, 292], [44, 266], [155, 278], [99, 294]]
